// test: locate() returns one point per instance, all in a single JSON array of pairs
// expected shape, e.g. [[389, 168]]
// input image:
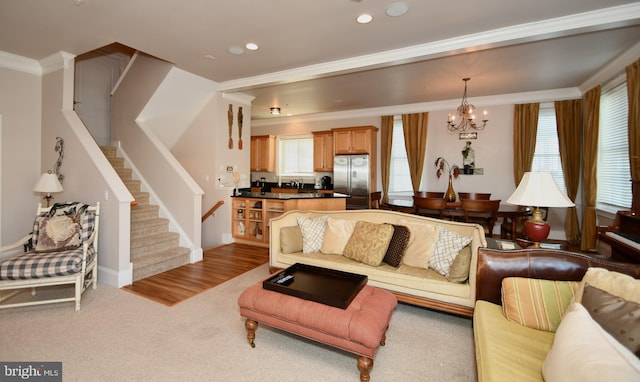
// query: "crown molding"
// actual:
[[238, 98], [534, 31], [612, 69], [20, 63], [56, 61], [452, 104]]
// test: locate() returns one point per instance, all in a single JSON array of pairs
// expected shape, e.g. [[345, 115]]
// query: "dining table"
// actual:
[[454, 210]]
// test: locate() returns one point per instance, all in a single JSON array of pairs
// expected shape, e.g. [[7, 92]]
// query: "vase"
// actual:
[[450, 195]]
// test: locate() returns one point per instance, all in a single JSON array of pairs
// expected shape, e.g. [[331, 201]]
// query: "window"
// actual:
[[295, 156], [614, 173], [400, 178], [547, 152]]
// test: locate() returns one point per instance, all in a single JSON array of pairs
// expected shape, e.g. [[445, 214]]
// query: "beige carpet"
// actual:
[[118, 336]]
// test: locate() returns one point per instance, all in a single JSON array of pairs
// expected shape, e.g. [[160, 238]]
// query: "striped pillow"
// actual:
[[538, 304]]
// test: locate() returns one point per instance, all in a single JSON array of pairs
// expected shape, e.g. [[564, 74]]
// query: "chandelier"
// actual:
[[465, 114]]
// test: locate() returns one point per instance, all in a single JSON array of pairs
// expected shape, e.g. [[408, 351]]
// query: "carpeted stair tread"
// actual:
[[150, 227], [153, 243], [154, 263], [144, 212]]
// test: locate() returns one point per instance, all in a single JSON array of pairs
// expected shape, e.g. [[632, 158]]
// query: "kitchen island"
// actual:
[[252, 211]]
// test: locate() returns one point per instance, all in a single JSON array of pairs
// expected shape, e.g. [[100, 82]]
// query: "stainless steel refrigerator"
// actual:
[[351, 174]]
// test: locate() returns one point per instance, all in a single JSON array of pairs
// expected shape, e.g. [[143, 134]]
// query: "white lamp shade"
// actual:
[[538, 189], [48, 183]]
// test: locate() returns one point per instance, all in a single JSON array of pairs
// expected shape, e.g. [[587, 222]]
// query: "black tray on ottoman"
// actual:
[[323, 285]]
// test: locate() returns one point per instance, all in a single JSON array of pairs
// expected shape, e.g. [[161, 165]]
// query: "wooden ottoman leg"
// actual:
[[251, 326], [365, 364]]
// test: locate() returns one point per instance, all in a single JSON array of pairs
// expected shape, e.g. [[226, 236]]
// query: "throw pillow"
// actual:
[[618, 284], [583, 351], [619, 317], [312, 233], [538, 304], [291, 239], [369, 243], [459, 271], [422, 241], [57, 233], [447, 247], [397, 245], [336, 235]]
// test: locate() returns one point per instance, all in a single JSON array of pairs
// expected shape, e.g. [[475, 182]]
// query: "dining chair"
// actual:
[[430, 194], [432, 207], [474, 195], [374, 200], [509, 230], [483, 212]]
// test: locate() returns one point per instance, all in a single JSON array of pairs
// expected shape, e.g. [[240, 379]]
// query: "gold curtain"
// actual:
[[569, 126], [415, 141], [525, 128], [590, 167], [633, 94], [386, 140]]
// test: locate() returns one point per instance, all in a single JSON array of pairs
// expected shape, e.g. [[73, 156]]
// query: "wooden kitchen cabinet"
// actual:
[[323, 151], [355, 140], [263, 153]]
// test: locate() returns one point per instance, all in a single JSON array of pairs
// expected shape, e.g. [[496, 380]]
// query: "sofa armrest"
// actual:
[[549, 264]]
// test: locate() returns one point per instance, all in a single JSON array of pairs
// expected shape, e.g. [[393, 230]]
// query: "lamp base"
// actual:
[[536, 232]]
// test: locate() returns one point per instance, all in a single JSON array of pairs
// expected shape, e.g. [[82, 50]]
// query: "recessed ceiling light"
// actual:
[[275, 110], [235, 50], [397, 9], [252, 46], [364, 18]]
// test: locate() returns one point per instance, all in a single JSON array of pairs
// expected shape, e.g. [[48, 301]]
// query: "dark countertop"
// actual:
[[302, 195]]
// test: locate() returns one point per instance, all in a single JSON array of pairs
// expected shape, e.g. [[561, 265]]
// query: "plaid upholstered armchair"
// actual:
[[62, 249]]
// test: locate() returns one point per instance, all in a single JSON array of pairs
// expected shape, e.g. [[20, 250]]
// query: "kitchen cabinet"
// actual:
[[250, 216], [355, 140], [323, 151], [263, 153]]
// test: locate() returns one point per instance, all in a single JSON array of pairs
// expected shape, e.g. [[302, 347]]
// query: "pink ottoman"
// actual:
[[359, 329]]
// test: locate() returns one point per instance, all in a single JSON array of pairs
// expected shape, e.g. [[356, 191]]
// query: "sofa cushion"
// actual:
[[57, 233], [336, 235], [619, 317], [397, 245], [422, 241], [583, 351], [459, 271], [538, 304], [312, 232], [291, 239], [618, 284], [447, 247], [369, 242]]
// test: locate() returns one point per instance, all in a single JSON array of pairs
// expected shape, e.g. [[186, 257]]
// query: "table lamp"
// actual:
[[538, 189], [48, 183]]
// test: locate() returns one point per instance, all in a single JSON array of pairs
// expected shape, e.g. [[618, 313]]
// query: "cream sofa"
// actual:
[[508, 350], [418, 286]]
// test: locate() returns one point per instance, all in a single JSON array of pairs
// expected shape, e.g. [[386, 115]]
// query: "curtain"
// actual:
[[525, 128], [633, 94], [415, 141], [590, 167], [569, 125], [386, 141]]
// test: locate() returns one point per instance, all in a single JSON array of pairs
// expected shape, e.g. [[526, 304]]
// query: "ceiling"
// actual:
[[314, 58]]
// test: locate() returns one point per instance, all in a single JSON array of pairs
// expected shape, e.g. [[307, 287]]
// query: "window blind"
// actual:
[[547, 152], [614, 173]]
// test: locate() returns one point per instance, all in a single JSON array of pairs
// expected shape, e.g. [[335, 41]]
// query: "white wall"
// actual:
[[20, 140]]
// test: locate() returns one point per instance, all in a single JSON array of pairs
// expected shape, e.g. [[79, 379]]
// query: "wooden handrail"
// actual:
[[212, 210]]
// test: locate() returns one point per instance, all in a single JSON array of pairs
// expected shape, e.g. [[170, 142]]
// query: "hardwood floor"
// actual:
[[218, 265]]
